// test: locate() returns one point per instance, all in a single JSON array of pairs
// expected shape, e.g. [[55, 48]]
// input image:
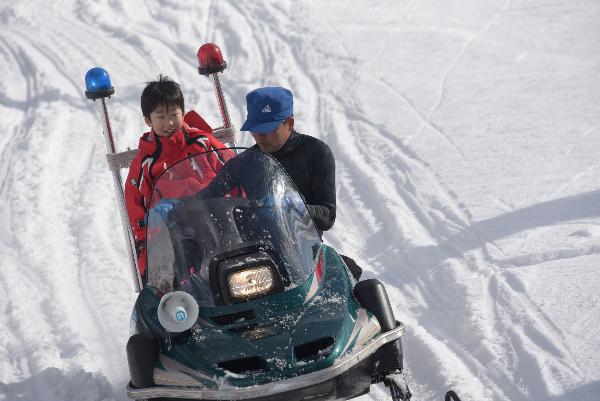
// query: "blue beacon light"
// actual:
[[97, 84]]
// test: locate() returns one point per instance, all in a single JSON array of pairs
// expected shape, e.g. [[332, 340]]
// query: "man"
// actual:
[[308, 161]]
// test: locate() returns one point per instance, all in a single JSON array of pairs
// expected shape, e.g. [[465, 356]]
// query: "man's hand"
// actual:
[[290, 200]]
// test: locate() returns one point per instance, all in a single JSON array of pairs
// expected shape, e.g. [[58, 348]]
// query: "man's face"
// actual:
[[165, 121], [274, 140]]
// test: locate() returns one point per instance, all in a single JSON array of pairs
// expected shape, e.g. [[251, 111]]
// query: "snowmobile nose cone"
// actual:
[[97, 83], [180, 314]]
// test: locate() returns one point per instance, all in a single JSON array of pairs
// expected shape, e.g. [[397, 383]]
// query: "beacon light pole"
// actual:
[[98, 87]]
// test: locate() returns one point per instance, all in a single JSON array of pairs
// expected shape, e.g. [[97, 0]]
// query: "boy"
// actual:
[[173, 137]]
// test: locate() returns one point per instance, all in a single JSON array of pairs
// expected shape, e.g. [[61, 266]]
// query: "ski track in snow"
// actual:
[[451, 67], [468, 291]]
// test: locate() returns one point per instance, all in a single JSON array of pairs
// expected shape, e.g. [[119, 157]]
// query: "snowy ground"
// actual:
[[466, 135]]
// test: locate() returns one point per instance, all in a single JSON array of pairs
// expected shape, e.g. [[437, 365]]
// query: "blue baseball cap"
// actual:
[[267, 108]]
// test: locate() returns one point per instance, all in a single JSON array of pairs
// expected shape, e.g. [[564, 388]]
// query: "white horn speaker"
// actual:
[[177, 311]]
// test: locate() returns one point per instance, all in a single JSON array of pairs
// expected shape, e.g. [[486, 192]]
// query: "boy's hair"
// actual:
[[163, 91]]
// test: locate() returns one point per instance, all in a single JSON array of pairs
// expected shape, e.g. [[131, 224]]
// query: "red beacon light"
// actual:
[[210, 59]]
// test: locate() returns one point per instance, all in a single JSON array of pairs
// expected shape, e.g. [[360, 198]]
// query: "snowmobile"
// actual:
[[241, 299]]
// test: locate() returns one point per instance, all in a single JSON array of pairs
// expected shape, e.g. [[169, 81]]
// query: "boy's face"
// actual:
[[165, 121]]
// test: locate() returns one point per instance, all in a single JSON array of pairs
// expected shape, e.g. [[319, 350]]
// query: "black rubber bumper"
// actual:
[[142, 350]]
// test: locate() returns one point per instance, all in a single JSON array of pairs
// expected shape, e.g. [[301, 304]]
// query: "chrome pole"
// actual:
[[222, 103], [111, 148]]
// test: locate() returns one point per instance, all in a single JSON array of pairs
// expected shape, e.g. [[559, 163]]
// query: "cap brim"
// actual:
[[261, 128]]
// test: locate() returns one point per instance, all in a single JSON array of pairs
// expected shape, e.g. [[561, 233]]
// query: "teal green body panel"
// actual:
[[281, 322]]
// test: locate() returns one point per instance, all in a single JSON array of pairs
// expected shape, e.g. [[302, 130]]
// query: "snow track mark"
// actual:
[[448, 71]]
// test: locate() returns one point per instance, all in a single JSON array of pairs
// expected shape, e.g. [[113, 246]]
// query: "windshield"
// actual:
[[216, 212]]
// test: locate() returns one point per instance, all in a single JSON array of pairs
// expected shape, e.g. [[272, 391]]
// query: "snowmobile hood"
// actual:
[[273, 338]]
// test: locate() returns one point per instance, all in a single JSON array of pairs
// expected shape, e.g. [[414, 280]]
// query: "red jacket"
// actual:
[[155, 155]]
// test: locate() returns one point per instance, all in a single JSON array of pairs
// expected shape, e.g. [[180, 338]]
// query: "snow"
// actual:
[[466, 138]]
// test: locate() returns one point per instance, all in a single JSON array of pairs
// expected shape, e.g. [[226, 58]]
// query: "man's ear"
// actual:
[[148, 122], [291, 122]]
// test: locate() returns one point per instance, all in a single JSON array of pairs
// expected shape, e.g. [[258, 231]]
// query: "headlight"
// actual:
[[252, 282]]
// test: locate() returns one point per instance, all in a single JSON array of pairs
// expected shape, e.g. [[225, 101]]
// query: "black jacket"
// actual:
[[310, 164]]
